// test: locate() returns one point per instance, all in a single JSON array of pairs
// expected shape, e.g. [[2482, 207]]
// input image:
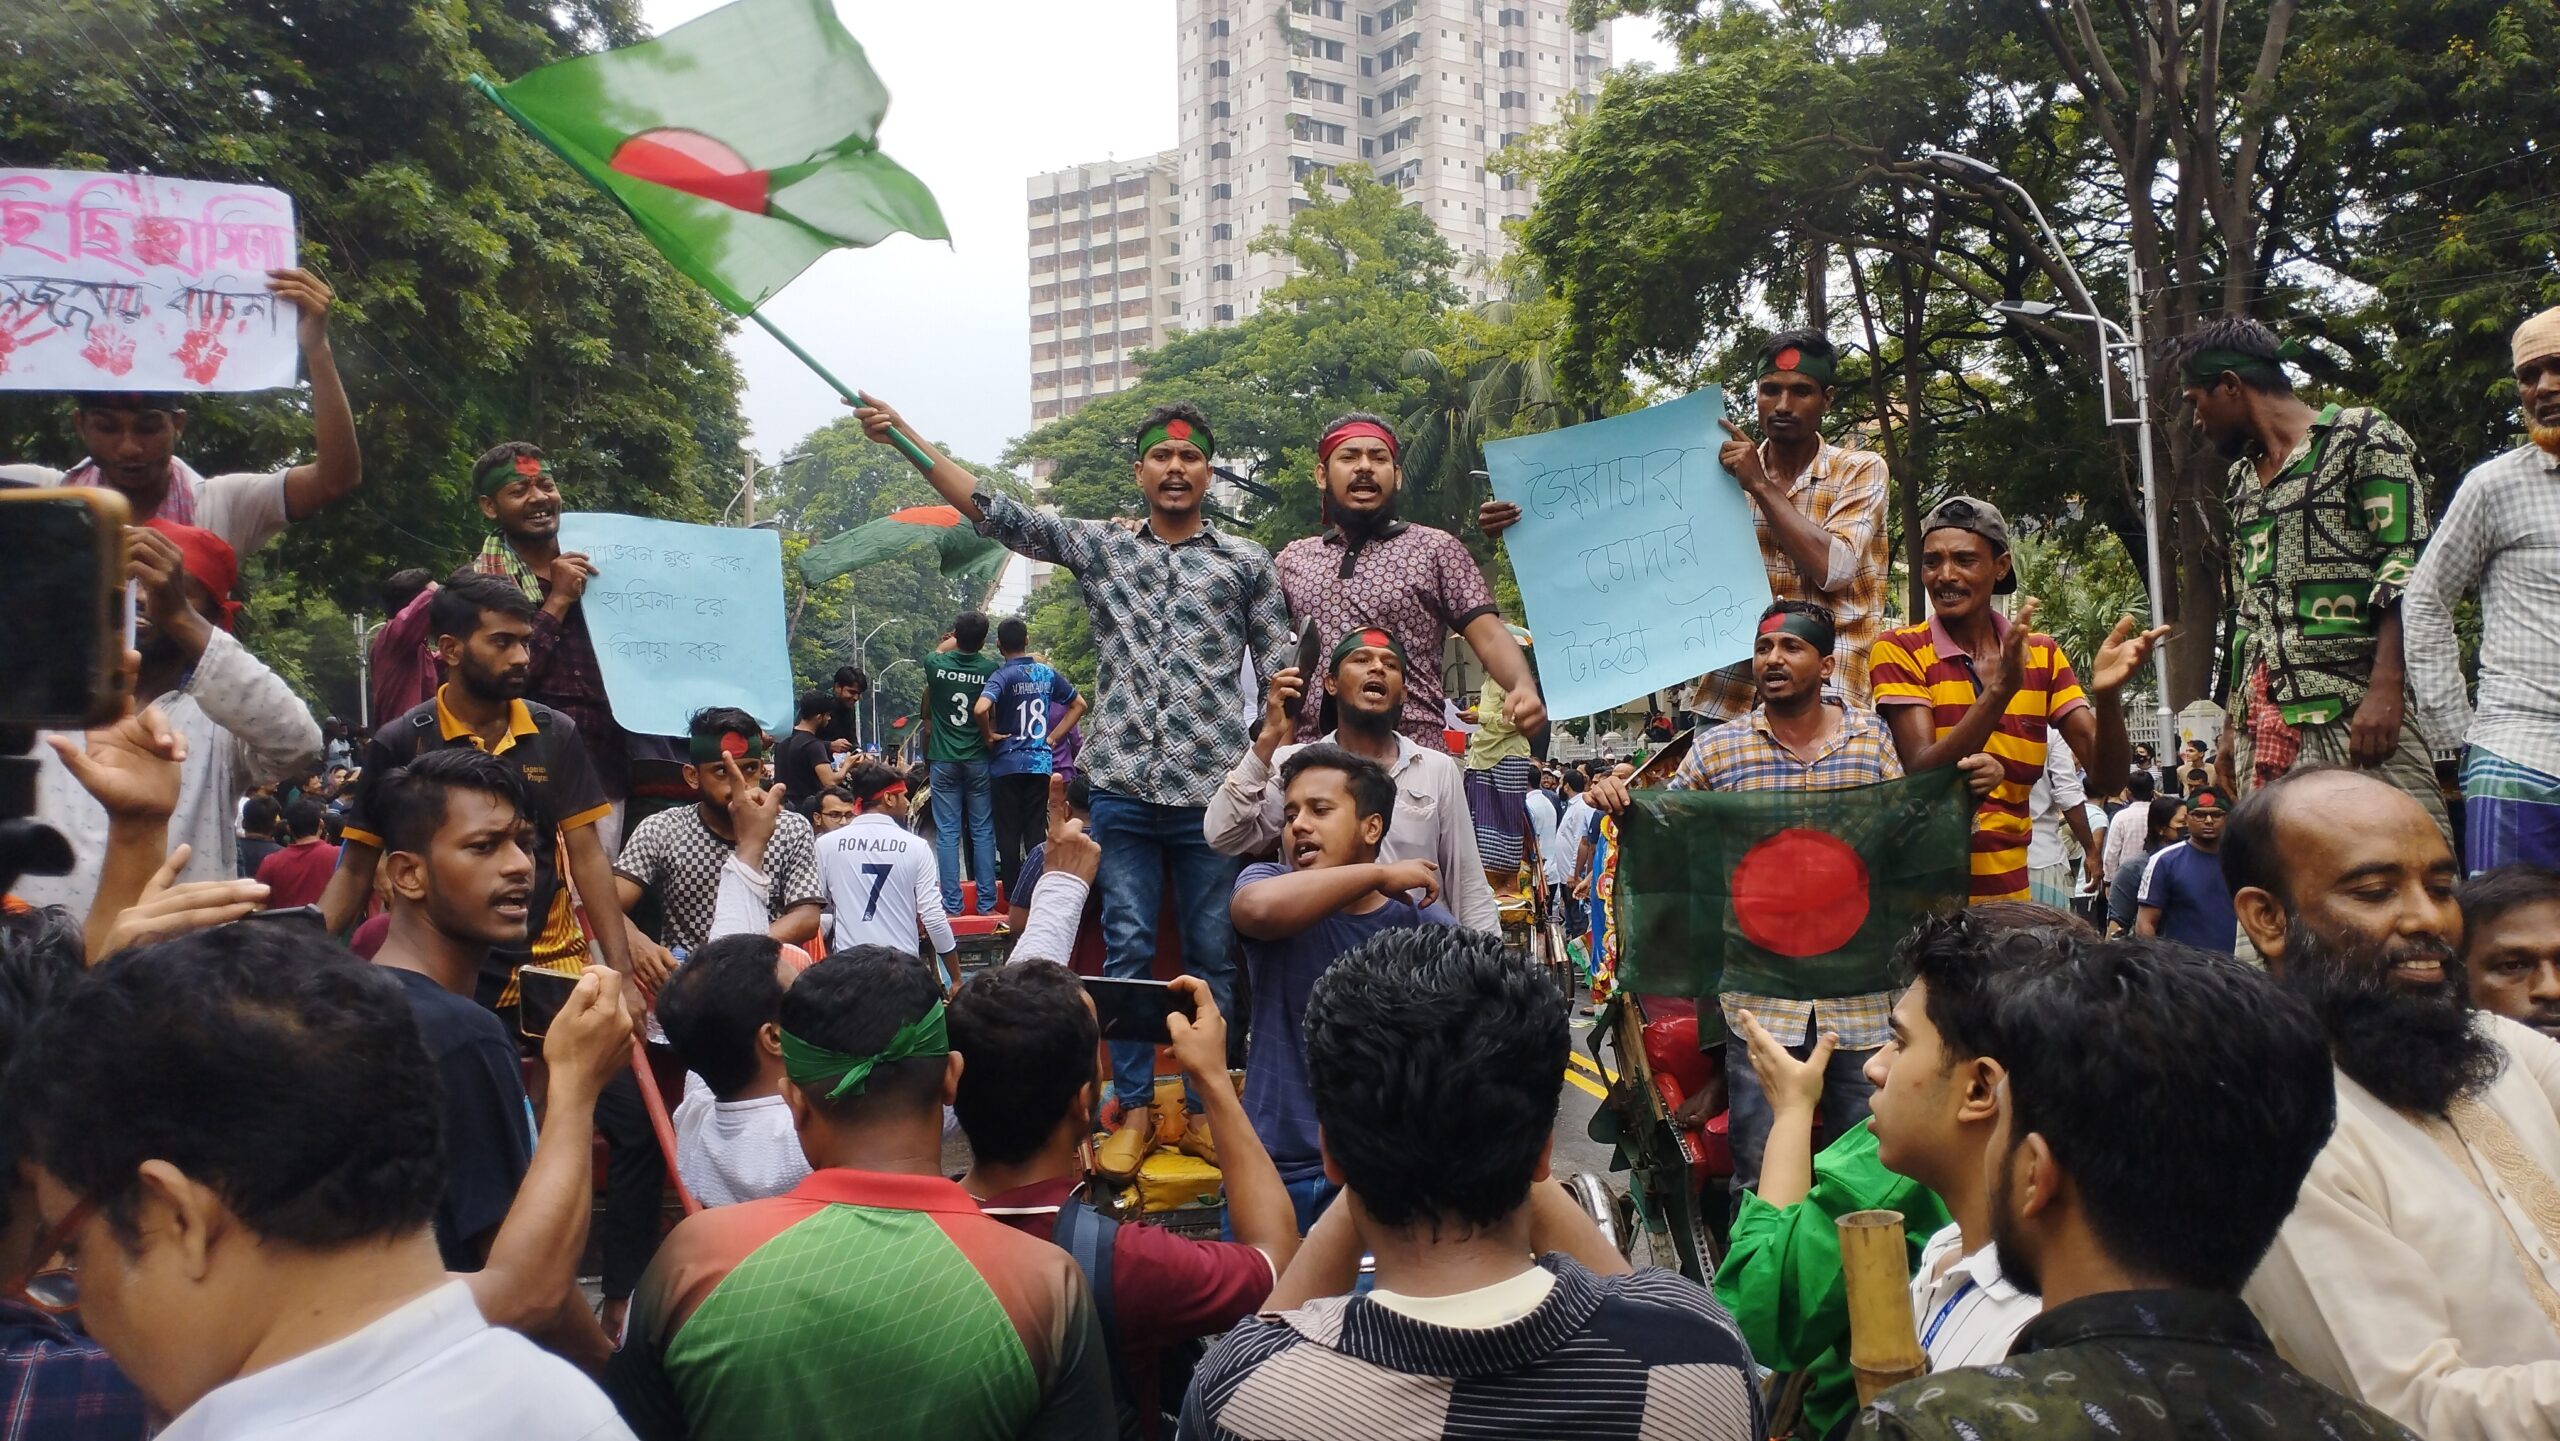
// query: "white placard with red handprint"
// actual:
[[141, 282]]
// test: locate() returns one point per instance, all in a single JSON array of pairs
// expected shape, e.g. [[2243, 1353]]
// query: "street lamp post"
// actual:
[[862, 658], [2117, 350]]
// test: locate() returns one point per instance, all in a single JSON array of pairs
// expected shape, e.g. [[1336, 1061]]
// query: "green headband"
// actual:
[[498, 477], [1178, 428], [2206, 366], [707, 750], [1369, 637], [811, 1066], [1801, 361]]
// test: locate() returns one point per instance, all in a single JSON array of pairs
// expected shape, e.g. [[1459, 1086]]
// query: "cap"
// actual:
[[2209, 798], [1963, 512]]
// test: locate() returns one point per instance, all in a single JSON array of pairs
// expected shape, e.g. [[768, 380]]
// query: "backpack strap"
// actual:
[[1092, 1240]]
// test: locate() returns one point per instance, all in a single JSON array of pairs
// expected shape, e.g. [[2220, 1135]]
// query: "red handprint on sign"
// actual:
[[109, 349], [201, 354], [18, 330]]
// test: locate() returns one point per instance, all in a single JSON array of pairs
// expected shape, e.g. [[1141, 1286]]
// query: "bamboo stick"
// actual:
[[1884, 1342]]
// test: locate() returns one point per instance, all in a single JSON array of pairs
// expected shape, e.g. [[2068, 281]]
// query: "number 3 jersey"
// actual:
[[953, 680], [883, 888]]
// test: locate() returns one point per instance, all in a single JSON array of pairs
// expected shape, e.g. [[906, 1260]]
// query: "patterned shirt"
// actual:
[[2500, 537], [1173, 629], [1923, 665], [1601, 1359], [891, 1298], [565, 675], [1416, 582], [1843, 491], [1743, 754], [674, 856], [62, 1386], [2128, 1365], [2317, 555]]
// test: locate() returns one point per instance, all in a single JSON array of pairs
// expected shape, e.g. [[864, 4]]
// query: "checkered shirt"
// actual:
[[1743, 755], [1173, 626], [675, 857], [1844, 492], [2501, 538], [62, 1384]]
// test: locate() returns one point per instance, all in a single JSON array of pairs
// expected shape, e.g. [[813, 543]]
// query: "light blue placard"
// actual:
[[684, 616], [1635, 552]]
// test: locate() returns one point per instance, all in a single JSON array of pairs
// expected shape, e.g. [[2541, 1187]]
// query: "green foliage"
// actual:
[[486, 293]]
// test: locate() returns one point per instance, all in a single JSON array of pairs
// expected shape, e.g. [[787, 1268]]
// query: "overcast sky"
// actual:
[[983, 95]]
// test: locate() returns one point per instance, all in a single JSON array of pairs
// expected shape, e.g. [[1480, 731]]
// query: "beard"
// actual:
[[1364, 524], [2414, 1050], [2014, 1264], [2545, 436]]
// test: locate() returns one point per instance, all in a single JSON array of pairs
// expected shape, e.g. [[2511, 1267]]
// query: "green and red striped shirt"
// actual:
[[861, 1302]]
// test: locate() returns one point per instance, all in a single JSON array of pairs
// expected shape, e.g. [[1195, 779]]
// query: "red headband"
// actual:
[[894, 788], [1352, 429]]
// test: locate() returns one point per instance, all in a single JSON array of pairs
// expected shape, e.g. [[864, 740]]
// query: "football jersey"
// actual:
[[882, 886]]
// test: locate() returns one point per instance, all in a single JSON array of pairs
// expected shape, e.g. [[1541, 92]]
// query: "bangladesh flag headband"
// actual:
[[707, 750], [1366, 638], [1802, 362], [811, 1066], [1179, 429], [2207, 366], [1813, 630], [523, 467]]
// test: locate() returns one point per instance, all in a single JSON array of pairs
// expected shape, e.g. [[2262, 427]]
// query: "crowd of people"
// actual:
[[2222, 1097]]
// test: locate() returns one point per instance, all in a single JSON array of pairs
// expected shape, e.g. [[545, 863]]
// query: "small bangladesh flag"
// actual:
[[741, 142], [1794, 894], [965, 554]]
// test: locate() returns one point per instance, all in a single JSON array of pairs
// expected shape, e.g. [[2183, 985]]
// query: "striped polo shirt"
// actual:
[[1923, 665]]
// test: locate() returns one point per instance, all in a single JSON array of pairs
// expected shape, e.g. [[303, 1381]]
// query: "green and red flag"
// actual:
[[741, 142], [1795, 894], [963, 554]]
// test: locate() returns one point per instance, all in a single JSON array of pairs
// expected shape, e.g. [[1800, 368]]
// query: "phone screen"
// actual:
[[1136, 1010], [57, 615]]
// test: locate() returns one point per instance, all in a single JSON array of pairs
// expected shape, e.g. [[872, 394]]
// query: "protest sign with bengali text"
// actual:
[[141, 282], [683, 617], [1636, 556]]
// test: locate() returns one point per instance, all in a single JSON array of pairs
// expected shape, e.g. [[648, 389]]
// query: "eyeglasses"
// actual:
[[50, 1283]]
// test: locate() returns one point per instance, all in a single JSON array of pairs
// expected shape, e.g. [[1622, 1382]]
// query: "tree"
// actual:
[[486, 291]]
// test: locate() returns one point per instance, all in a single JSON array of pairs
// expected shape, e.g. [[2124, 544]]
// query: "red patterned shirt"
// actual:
[[1416, 582]]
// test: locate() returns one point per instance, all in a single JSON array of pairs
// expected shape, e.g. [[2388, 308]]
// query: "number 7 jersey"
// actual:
[[883, 888]]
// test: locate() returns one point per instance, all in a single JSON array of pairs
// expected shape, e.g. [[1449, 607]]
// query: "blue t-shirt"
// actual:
[[2195, 906], [1018, 697], [1276, 1095]]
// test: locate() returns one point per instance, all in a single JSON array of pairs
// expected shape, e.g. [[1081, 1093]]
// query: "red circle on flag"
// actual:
[[696, 164], [733, 744], [1800, 893]]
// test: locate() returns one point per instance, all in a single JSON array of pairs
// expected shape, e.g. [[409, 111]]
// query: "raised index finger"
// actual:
[[1730, 428], [1057, 801]]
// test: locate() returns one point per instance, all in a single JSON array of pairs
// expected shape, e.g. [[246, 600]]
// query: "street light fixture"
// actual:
[[2117, 350]]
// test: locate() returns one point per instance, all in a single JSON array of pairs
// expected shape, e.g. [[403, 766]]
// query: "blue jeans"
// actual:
[[1844, 1104], [1141, 842], [961, 796]]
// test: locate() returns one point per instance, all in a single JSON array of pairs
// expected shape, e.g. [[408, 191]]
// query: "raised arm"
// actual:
[[949, 478], [1258, 1205], [336, 466], [1277, 907]]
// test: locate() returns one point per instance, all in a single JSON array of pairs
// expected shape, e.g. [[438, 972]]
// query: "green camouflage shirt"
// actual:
[[2317, 555], [2125, 1366]]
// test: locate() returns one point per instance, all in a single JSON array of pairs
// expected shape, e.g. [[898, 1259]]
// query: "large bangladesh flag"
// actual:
[[1797, 894], [741, 142], [962, 553]]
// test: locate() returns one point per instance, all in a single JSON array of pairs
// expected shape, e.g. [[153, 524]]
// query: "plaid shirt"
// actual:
[[61, 1385], [1843, 491], [2317, 555], [565, 675], [1743, 754], [2501, 538], [1173, 628]]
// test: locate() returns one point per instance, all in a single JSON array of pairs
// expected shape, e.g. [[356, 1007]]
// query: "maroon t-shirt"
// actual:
[[1166, 1288], [296, 875]]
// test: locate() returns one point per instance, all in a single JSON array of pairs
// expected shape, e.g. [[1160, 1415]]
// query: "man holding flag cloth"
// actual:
[[1787, 888]]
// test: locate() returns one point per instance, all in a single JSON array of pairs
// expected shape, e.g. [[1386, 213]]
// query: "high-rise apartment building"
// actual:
[[1103, 284], [1423, 92], [1420, 91]]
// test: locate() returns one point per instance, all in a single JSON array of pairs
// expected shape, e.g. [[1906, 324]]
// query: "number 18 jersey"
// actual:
[[883, 888]]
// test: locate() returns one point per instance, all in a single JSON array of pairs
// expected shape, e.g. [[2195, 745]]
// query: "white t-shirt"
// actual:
[[883, 887], [1570, 829], [245, 508], [1543, 823], [1967, 1312], [732, 1151], [429, 1371]]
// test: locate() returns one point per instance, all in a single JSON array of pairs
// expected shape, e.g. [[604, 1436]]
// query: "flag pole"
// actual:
[[914, 453]]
